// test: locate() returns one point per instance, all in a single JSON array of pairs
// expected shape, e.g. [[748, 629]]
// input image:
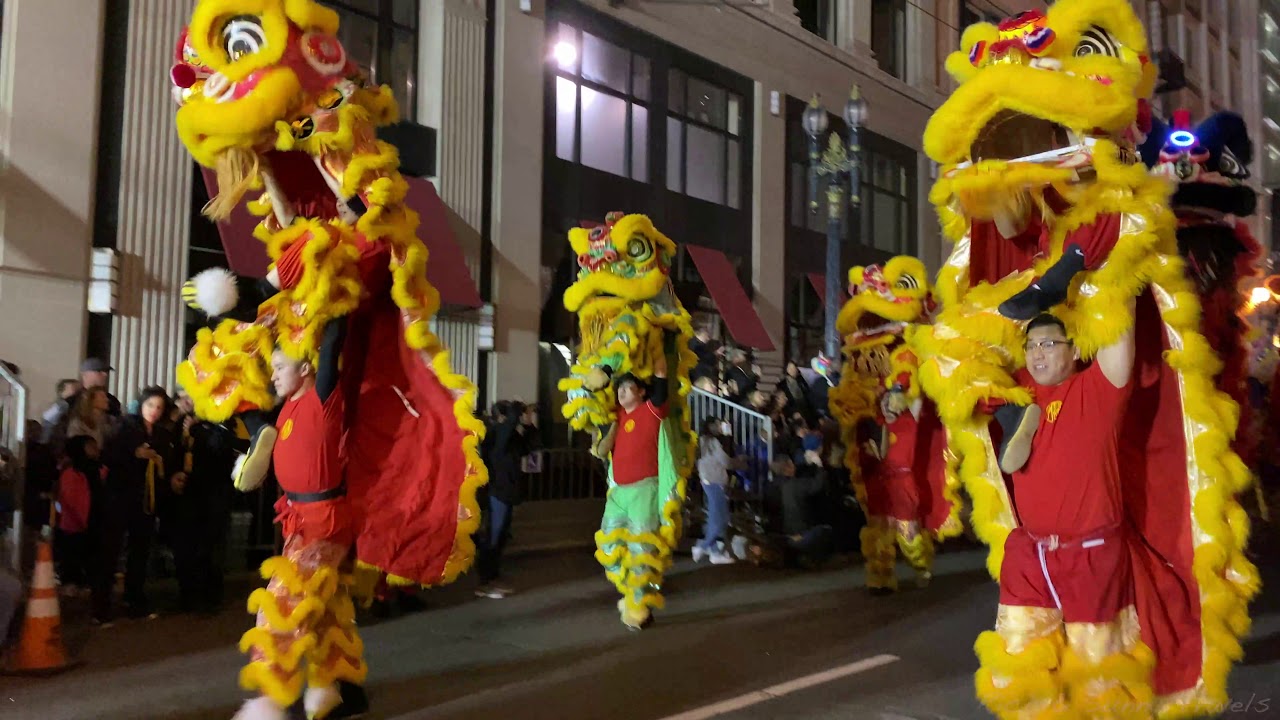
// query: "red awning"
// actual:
[[731, 300], [246, 254], [819, 283], [446, 268]]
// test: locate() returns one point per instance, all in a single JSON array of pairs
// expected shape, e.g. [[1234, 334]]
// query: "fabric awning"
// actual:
[[446, 267], [730, 297], [246, 254], [819, 283]]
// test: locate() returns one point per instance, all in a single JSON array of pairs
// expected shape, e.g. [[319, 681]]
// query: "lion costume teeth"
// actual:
[[1078, 72]]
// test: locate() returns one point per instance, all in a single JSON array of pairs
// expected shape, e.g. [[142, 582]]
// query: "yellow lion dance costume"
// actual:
[[268, 98], [632, 325], [894, 442], [1036, 148]]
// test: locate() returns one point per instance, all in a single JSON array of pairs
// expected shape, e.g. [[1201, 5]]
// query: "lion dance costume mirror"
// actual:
[[631, 325], [1037, 153], [894, 442], [268, 99]]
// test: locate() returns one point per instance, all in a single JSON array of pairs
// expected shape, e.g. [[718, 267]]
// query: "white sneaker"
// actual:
[[261, 708], [320, 701], [739, 546], [699, 553], [721, 558]]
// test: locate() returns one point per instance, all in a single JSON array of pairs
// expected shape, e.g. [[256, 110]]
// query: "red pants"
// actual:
[[892, 493], [1087, 577]]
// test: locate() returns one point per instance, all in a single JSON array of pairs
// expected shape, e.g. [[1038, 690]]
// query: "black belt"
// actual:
[[329, 494]]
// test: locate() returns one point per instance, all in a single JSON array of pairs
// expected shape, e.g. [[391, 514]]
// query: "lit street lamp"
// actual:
[[841, 169]]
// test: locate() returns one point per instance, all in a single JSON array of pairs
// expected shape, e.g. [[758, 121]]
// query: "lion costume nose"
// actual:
[[183, 76]]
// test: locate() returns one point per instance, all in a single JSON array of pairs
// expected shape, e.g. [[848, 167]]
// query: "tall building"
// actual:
[[528, 117]]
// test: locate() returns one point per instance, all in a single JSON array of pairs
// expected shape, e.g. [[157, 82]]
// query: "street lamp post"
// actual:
[[840, 166]]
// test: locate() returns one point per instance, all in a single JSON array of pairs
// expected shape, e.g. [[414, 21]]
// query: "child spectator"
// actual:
[[71, 542]]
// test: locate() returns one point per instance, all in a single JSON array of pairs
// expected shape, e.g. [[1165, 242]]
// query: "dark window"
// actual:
[[971, 14], [888, 196], [381, 36], [704, 145], [602, 113], [889, 36], [819, 17]]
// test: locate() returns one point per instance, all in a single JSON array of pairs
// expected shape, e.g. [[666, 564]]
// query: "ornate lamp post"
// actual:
[[839, 166]]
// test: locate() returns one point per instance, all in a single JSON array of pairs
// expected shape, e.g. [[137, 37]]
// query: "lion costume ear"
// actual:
[[579, 239], [973, 45], [855, 275]]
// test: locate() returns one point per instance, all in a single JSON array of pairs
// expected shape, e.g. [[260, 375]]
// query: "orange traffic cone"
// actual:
[[40, 648]]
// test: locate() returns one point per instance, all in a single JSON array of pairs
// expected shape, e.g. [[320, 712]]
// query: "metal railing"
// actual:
[[566, 474], [13, 439], [752, 435]]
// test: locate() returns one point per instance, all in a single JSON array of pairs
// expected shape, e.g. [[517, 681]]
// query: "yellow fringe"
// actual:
[[257, 676]]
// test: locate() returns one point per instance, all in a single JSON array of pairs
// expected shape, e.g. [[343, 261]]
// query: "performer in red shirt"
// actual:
[[630, 545], [306, 621], [1066, 574]]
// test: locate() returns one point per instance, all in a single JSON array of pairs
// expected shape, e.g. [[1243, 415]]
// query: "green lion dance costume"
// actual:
[[631, 325], [1049, 206], [378, 458], [895, 444]]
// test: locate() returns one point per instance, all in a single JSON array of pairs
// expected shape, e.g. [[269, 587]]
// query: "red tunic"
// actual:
[[308, 459], [1071, 483], [635, 452], [891, 488]]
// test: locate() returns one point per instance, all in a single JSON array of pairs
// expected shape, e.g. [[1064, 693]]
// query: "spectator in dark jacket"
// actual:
[[199, 514], [145, 470], [506, 449]]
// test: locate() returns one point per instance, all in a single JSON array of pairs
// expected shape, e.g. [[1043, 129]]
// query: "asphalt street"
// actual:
[[735, 642]]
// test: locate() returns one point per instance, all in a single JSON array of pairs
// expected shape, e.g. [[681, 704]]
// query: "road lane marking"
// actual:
[[776, 691]]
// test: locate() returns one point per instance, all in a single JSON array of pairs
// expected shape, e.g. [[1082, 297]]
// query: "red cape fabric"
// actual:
[[1153, 464], [405, 463]]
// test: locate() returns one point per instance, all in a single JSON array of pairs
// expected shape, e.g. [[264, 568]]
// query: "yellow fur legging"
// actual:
[[882, 538], [1034, 666], [304, 614]]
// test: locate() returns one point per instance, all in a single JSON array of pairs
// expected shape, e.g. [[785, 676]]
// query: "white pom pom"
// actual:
[[216, 291]]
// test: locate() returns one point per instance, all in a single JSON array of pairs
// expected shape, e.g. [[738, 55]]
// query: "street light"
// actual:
[[838, 163]]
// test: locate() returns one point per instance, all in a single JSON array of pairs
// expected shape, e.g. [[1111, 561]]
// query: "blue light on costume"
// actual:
[[1182, 138]]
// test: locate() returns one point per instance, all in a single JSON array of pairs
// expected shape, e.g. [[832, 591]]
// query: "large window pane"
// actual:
[[566, 49], [405, 12], [887, 235], [366, 6], [706, 103], [566, 117], [641, 78], [675, 141], [735, 175], [605, 63], [359, 36], [640, 143], [799, 188], [604, 132], [675, 92], [889, 35], [402, 73], [705, 165], [735, 114]]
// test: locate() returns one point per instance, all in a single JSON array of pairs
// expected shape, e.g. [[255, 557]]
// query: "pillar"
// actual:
[[769, 223], [50, 79], [519, 60], [152, 234]]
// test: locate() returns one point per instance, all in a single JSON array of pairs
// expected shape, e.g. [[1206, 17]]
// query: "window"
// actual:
[[381, 36], [1270, 39], [889, 36], [819, 17], [971, 14], [888, 194], [602, 96], [704, 147]]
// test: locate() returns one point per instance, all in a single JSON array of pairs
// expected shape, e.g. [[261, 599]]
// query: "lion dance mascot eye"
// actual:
[[1209, 164], [895, 443], [1042, 191], [374, 443], [633, 328]]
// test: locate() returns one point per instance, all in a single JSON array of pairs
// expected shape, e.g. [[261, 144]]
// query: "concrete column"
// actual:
[[50, 85], [451, 93], [155, 206], [769, 224], [520, 58]]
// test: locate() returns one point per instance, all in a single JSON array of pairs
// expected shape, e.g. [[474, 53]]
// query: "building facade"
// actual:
[[546, 114]]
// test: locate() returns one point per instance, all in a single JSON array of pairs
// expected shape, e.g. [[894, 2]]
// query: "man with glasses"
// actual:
[[1067, 563]]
